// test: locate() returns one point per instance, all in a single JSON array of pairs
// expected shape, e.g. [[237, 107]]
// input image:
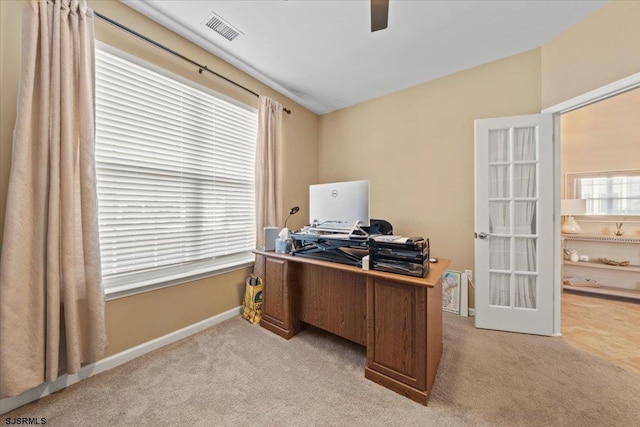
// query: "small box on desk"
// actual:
[[410, 257]]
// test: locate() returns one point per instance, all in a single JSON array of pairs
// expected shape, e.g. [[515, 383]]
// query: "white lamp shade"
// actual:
[[573, 207], [568, 208]]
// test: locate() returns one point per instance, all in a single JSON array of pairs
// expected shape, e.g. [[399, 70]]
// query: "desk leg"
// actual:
[[398, 339]]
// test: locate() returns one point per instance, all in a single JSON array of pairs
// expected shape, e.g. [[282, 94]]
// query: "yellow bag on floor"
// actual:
[[252, 303]]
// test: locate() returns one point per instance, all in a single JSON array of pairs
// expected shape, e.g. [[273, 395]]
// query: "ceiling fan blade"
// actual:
[[379, 14]]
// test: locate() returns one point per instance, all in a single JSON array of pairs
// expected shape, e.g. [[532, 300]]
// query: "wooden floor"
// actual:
[[605, 327]]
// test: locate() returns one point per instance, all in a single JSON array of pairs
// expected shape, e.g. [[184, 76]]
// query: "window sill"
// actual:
[[115, 289]]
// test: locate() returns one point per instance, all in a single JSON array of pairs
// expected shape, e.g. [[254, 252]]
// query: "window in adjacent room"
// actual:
[[175, 169], [607, 193]]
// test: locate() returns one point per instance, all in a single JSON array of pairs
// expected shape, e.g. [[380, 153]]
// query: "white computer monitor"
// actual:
[[339, 205]]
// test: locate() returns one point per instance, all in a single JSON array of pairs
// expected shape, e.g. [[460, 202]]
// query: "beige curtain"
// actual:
[[268, 174], [51, 300]]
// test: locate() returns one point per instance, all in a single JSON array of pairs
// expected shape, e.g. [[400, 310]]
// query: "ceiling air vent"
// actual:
[[222, 27]]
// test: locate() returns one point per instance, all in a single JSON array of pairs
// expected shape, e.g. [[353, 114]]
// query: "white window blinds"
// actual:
[[175, 167]]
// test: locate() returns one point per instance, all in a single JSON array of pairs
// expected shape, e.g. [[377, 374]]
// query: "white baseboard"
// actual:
[[111, 362], [472, 312]]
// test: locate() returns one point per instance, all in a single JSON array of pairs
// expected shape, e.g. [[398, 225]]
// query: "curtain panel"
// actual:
[[51, 299], [500, 247], [268, 174]]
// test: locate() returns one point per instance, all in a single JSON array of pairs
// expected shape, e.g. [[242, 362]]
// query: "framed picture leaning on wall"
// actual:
[[451, 282]]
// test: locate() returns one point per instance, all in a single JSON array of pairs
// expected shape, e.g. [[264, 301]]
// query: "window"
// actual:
[[175, 171], [607, 193]]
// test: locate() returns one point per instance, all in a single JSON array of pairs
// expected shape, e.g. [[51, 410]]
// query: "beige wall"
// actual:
[[599, 50], [603, 136], [416, 146], [9, 77], [134, 320]]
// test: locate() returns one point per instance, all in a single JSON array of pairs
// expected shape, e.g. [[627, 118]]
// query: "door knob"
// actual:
[[482, 235]]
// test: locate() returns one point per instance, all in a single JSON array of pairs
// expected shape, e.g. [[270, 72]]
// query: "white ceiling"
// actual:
[[322, 54]]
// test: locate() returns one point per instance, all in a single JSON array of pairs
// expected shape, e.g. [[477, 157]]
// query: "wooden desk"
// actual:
[[398, 318]]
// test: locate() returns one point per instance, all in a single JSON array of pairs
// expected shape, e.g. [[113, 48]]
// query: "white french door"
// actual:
[[514, 224]]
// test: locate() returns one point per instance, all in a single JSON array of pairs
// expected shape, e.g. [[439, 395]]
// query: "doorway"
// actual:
[[612, 89], [599, 161]]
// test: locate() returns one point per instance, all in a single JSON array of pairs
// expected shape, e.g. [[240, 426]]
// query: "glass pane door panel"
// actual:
[[500, 253], [524, 217], [525, 254], [524, 180], [525, 291], [500, 289], [499, 218], [499, 145], [524, 147], [498, 182]]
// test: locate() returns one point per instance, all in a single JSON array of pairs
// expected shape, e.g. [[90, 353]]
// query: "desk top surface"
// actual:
[[436, 270]]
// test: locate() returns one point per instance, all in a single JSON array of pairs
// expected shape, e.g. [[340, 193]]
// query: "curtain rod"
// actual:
[[201, 68]]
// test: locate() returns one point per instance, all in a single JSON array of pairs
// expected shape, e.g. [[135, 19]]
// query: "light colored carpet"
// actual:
[[238, 374]]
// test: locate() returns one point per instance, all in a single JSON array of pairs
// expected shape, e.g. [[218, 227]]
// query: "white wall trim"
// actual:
[[111, 362], [557, 246], [596, 95]]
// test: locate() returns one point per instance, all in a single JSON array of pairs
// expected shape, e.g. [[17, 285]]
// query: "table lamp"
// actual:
[[294, 210], [568, 208]]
